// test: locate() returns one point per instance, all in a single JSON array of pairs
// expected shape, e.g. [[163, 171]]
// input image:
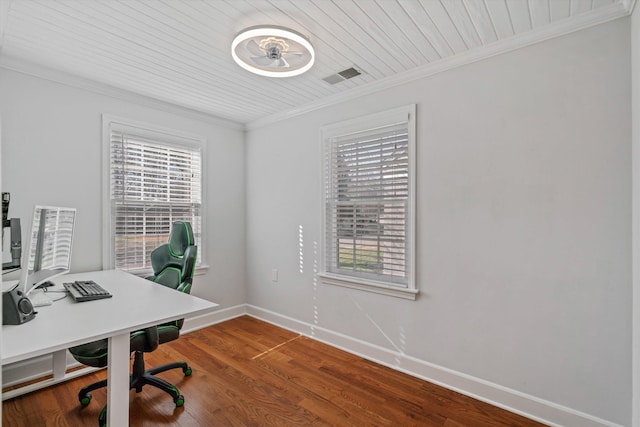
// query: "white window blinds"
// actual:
[[366, 202], [153, 183]]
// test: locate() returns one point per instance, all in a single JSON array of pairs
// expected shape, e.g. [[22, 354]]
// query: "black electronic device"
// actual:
[[86, 290], [6, 198], [15, 234], [16, 307]]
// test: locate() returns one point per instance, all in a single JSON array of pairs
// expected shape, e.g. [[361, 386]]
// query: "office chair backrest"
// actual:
[[174, 262]]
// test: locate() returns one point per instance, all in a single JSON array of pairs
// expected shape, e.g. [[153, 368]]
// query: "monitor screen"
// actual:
[[48, 251]]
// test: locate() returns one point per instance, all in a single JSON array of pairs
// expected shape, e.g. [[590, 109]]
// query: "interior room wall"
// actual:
[[523, 228], [52, 154], [635, 123]]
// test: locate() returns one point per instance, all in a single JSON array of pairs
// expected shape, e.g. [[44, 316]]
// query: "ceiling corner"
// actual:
[[5, 5]]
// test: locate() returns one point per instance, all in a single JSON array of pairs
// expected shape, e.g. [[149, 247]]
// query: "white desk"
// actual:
[[136, 303]]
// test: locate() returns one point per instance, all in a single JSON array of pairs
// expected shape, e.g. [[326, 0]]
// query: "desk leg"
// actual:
[[59, 364], [118, 381]]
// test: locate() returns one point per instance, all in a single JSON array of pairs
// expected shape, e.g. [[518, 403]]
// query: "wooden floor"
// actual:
[[250, 373]]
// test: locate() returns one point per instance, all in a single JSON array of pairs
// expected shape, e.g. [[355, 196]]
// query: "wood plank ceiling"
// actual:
[[179, 51]]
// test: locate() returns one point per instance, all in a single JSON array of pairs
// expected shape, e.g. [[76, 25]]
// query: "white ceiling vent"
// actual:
[[343, 75]]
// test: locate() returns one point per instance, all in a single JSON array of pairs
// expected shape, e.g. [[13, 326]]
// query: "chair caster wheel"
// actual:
[[179, 401], [187, 371], [102, 418], [84, 400]]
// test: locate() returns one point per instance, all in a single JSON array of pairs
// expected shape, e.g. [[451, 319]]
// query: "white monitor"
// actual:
[[49, 243]]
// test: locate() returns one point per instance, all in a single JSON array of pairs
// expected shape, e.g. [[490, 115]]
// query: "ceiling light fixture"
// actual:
[[272, 51]]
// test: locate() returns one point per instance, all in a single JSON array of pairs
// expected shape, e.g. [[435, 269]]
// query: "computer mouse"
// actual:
[[46, 284]]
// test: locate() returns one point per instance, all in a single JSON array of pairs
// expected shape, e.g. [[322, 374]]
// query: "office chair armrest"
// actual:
[[184, 287]]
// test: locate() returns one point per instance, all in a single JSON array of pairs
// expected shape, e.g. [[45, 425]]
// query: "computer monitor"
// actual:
[[48, 251]]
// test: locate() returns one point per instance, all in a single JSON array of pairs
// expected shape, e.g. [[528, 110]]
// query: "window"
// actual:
[[154, 178], [369, 204]]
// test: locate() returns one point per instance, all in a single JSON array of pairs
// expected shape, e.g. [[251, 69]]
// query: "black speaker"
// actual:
[[16, 308]]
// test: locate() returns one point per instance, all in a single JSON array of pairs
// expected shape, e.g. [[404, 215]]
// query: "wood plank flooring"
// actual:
[[249, 373]]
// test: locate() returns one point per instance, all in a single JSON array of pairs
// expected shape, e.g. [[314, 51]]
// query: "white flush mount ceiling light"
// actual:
[[272, 51]]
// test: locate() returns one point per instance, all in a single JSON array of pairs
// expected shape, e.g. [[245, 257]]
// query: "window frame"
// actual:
[[363, 124], [165, 136]]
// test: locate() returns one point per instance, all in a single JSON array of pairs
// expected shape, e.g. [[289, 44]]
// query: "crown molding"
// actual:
[[4, 17], [629, 5], [580, 22], [67, 79]]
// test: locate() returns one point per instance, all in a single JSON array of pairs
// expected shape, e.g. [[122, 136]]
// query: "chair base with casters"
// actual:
[[146, 340], [140, 377]]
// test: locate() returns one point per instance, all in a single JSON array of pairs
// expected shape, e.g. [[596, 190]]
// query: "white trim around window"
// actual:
[[172, 140], [368, 194]]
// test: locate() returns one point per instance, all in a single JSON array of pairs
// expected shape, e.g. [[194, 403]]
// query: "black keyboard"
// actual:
[[86, 290]]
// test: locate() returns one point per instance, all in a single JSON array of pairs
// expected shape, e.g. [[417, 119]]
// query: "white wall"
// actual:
[[51, 154], [524, 223], [635, 123]]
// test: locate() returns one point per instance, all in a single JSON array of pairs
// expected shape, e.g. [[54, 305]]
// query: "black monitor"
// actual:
[[49, 243], [15, 235]]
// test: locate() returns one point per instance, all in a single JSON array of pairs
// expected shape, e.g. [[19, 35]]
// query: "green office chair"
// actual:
[[173, 265]]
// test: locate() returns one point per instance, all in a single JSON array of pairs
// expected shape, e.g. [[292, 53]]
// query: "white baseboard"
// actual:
[[195, 323], [503, 397]]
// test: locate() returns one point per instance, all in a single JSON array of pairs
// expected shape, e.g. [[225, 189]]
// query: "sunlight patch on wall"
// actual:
[[301, 248], [315, 288]]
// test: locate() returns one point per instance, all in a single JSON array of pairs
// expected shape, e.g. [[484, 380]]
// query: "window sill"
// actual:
[[201, 270], [369, 286]]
